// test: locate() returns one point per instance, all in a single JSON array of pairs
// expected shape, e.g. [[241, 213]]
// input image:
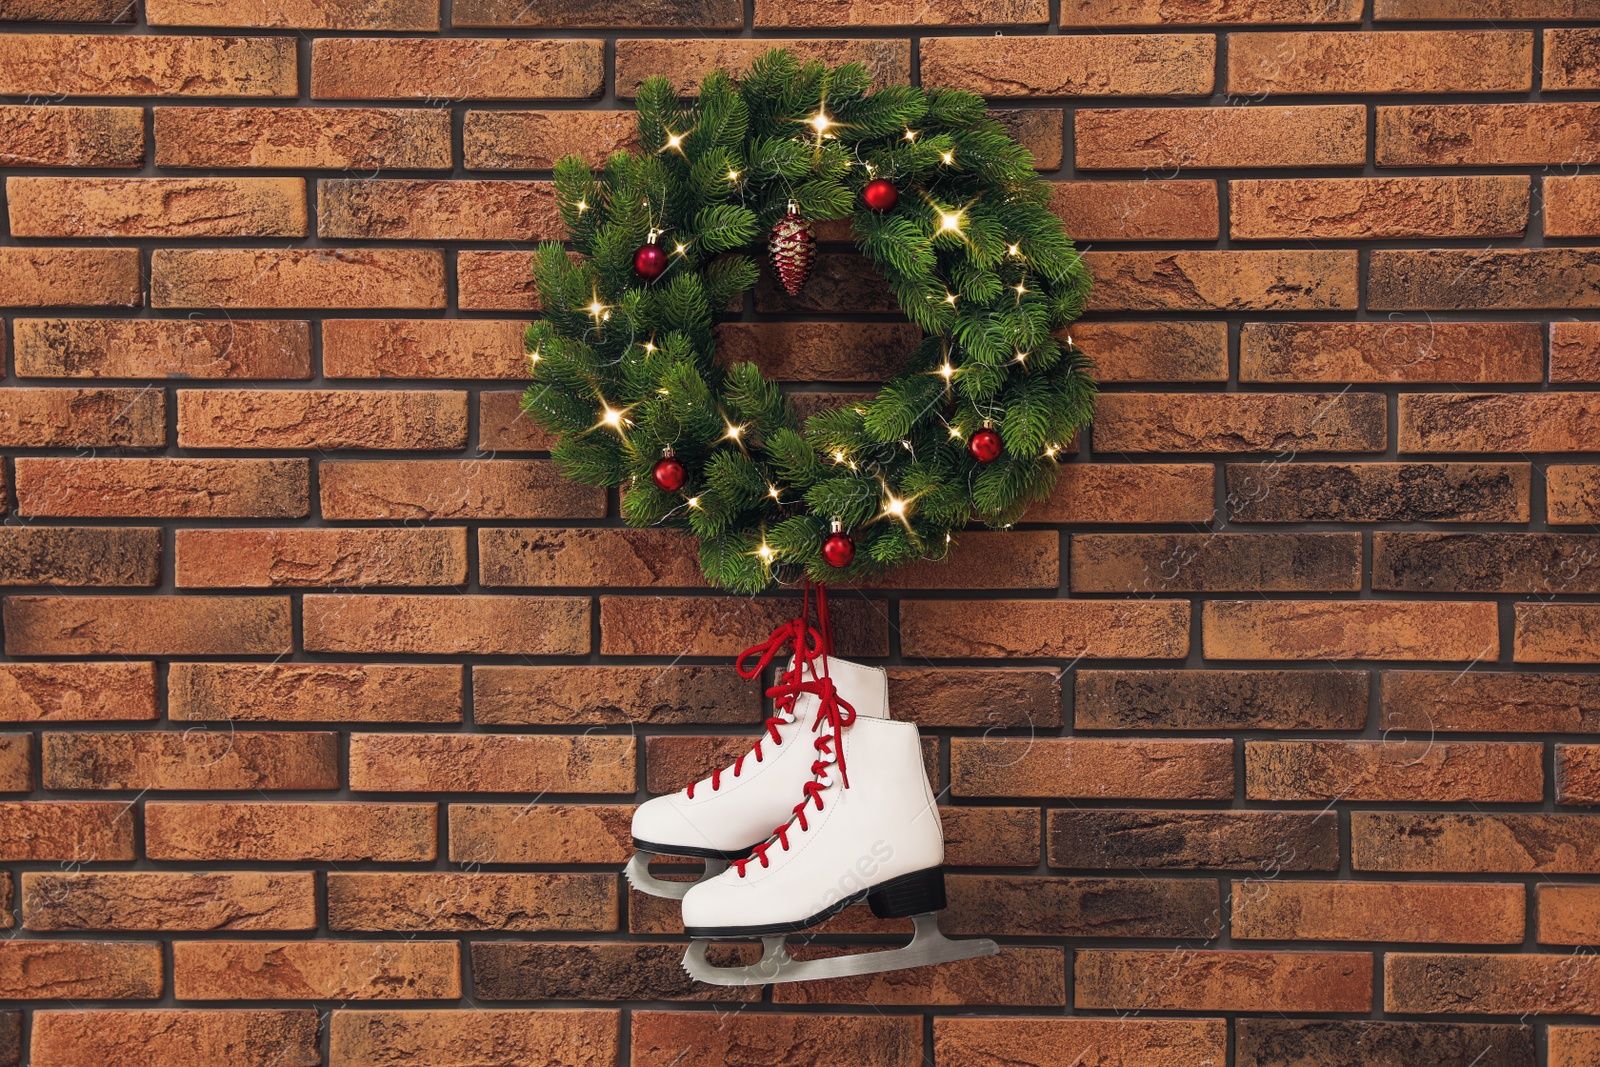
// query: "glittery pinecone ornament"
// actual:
[[793, 247]]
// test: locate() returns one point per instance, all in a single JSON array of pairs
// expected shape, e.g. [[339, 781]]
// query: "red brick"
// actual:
[[1578, 774], [157, 761], [70, 277], [1155, 351], [1454, 135], [56, 65], [447, 625], [1484, 702], [1495, 422], [433, 420], [296, 14], [222, 559], [446, 901], [314, 692], [1483, 9], [1017, 977], [1391, 352], [1485, 563], [1424, 983], [1372, 629], [289, 832], [68, 832], [68, 136], [897, 13], [1426, 771], [1198, 980], [316, 970], [956, 696], [696, 1039], [16, 770], [1471, 914], [77, 692], [685, 14], [518, 695], [84, 418], [1125, 1042], [1326, 1043], [725, 626], [1219, 12], [1557, 633], [1502, 278], [603, 971], [1220, 700], [451, 1039], [67, 11], [453, 69], [1575, 352], [80, 970], [1092, 768], [157, 348], [1573, 1046], [1371, 208], [1149, 210], [150, 488], [829, 351], [990, 837], [1342, 61], [1327, 135], [1573, 491], [157, 207], [297, 277], [1128, 493], [539, 833], [313, 138], [1569, 915], [217, 1037], [1152, 564], [423, 348], [420, 210], [80, 555], [1273, 491], [168, 901], [495, 281], [495, 763], [685, 61], [1223, 281], [455, 489], [1571, 58], [1038, 129], [1474, 843], [504, 427], [146, 625], [1572, 206], [1095, 629], [535, 140], [1072, 66], [1241, 422]]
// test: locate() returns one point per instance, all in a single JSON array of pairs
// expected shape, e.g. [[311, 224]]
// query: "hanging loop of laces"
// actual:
[[810, 644], [833, 713]]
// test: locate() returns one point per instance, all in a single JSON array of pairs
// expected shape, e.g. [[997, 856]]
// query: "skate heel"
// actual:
[[916, 893]]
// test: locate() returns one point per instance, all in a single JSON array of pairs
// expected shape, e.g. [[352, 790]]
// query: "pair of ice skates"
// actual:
[[855, 818]]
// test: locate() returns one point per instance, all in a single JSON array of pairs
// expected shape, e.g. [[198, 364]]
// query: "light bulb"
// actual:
[[674, 140], [694, 502], [734, 432], [820, 122], [949, 221], [610, 416], [1013, 250], [896, 507], [766, 552], [583, 205], [733, 175], [946, 371], [948, 157]]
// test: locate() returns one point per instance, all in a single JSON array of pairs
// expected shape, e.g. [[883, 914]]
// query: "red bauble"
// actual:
[[669, 475], [880, 194], [793, 247], [650, 261], [839, 549], [985, 446]]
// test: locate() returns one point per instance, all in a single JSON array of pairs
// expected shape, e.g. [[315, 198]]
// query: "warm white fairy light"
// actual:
[[611, 417], [649, 346], [1052, 450], [820, 122], [1013, 250], [1021, 288], [680, 248], [911, 135], [946, 371], [948, 157], [598, 310], [734, 432], [583, 205], [838, 455], [772, 491], [674, 140], [895, 506], [949, 222], [955, 432], [1022, 357], [534, 357], [733, 175], [693, 502], [950, 298], [766, 552]]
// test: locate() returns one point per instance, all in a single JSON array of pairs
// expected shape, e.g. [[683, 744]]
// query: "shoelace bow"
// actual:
[[837, 713], [809, 644]]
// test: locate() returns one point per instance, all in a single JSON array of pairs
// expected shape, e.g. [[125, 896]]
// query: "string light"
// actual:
[[946, 371], [838, 455], [1021, 289], [955, 433], [534, 357], [734, 432], [948, 157], [949, 221], [911, 135], [1022, 357], [766, 552], [772, 491], [611, 416], [820, 122], [650, 346], [693, 502], [583, 205], [1013, 250], [733, 175], [680, 248], [950, 298], [895, 506], [674, 140]]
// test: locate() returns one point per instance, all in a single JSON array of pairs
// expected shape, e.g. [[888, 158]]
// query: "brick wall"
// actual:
[[1269, 741]]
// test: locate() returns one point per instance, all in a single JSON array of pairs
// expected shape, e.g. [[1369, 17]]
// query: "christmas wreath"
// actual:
[[943, 202]]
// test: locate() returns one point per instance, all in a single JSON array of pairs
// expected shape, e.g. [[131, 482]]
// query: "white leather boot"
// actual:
[[865, 826], [720, 817]]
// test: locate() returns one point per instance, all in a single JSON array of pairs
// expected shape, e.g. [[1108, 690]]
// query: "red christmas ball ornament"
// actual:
[[669, 474], [985, 446], [880, 194], [839, 549], [650, 261]]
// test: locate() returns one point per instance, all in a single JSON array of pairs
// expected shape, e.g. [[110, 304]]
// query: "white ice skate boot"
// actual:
[[866, 826], [720, 818]]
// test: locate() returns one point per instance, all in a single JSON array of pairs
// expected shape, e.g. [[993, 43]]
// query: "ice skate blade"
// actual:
[[928, 946], [639, 876]]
